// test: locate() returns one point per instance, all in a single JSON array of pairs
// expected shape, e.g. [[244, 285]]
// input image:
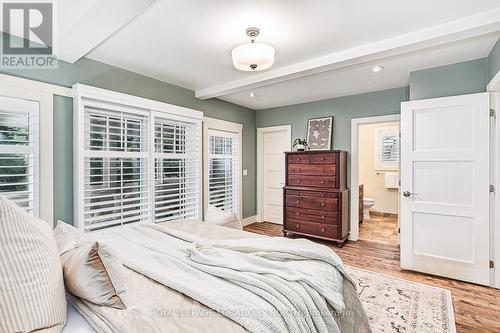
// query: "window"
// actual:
[[135, 165], [223, 165], [177, 179], [19, 152], [116, 168], [223, 171], [387, 148]]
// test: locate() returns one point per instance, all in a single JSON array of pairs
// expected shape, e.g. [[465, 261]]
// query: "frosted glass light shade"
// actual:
[[253, 56]]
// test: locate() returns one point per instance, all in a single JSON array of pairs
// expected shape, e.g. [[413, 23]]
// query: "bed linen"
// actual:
[[152, 307], [75, 323]]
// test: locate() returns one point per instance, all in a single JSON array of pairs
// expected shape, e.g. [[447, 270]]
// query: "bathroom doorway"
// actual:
[[375, 179]]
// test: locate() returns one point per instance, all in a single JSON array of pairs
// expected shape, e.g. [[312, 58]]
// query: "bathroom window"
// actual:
[[387, 148]]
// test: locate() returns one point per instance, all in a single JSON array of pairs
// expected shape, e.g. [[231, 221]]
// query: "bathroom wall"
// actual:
[[386, 200]]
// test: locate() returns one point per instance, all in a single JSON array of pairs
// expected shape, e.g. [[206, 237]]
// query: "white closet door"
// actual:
[[274, 146], [445, 187]]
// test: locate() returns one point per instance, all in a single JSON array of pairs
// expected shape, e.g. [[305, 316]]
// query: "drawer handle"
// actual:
[[299, 170], [322, 182], [298, 201], [299, 159], [297, 214], [322, 170], [322, 217], [299, 180], [322, 229], [298, 226], [322, 204], [323, 159]]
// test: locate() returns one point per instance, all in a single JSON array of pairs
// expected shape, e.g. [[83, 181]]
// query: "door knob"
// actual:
[[406, 194]]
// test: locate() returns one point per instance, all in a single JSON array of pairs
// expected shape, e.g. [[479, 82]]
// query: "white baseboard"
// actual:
[[249, 220]]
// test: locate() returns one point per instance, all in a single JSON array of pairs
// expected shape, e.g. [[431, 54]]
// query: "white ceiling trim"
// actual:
[[469, 27], [100, 21]]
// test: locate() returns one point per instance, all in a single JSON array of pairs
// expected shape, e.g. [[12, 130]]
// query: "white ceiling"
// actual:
[[324, 48], [359, 79]]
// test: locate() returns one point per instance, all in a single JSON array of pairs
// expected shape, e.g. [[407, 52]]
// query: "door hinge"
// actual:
[[492, 264], [399, 230], [492, 188], [492, 112]]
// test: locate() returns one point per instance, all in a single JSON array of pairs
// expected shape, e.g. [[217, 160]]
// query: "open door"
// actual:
[[445, 187]]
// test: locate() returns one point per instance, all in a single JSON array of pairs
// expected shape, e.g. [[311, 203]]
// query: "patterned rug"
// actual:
[[396, 305]]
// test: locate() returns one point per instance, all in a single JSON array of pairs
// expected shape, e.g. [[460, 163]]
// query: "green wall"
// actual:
[[494, 60], [343, 109], [462, 78], [457, 79], [97, 74]]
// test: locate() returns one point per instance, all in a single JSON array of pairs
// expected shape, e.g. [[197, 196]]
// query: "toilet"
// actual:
[[367, 204]]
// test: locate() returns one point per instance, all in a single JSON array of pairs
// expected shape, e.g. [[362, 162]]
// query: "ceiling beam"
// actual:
[[468, 27], [101, 21]]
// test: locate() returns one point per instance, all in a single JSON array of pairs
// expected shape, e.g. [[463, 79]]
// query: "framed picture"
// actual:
[[320, 133]]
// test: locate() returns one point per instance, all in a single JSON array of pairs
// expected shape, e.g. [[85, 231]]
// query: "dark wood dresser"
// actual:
[[316, 197]]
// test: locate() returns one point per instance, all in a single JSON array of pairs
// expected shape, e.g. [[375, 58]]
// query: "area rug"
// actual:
[[396, 305]]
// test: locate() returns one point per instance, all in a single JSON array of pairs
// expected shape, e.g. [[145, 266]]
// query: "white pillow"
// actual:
[[32, 296], [217, 216], [67, 237]]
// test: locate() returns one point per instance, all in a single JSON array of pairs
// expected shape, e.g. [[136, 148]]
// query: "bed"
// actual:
[[154, 307], [75, 323]]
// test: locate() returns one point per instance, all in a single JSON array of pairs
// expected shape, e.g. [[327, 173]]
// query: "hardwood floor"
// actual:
[[477, 308]]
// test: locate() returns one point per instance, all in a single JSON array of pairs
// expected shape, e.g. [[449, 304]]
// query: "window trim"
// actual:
[[42, 93], [84, 95], [379, 133], [232, 128]]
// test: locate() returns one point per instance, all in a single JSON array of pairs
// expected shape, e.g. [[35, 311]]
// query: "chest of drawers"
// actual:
[[316, 199]]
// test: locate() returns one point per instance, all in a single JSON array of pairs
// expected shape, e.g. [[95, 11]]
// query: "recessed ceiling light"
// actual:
[[252, 94], [377, 69]]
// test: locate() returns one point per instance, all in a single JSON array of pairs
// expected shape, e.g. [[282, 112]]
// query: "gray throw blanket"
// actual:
[[264, 284]]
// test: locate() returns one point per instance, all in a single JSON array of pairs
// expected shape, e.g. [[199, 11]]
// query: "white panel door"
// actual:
[[274, 145], [445, 187]]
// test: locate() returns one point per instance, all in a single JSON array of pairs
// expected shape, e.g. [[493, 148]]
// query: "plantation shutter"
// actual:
[[387, 148], [137, 160], [223, 170], [116, 176], [390, 148], [18, 152], [177, 169]]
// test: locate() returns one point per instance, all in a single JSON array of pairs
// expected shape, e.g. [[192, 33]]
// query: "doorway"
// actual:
[[378, 165], [272, 142], [375, 179]]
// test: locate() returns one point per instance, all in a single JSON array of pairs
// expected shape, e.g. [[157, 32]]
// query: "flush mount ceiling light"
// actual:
[[252, 94], [377, 69], [253, 56]]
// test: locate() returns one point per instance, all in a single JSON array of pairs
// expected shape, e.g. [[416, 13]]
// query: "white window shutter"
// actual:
[[176, 169], [137, 160], [116, 173], [223, 170], [18, 152], [387, 148]]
